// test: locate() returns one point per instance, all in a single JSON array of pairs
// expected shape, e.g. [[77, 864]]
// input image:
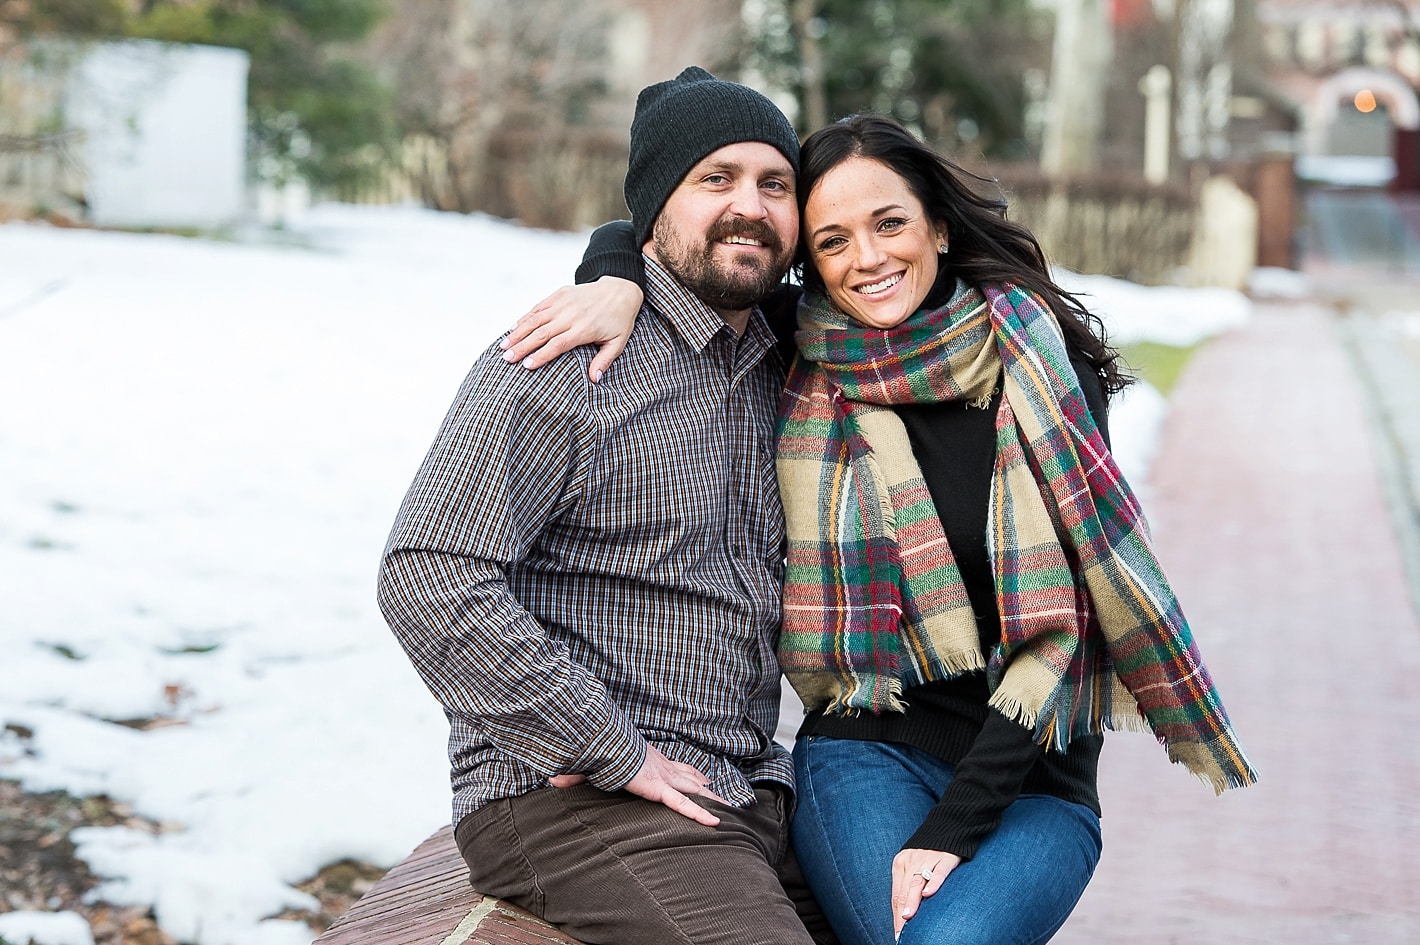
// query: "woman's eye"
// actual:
[[892, 223]]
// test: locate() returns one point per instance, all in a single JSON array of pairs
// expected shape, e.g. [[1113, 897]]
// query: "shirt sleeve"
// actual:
[[989, 778], [781, 314], [987, 781], [612, 251], [506, 462]]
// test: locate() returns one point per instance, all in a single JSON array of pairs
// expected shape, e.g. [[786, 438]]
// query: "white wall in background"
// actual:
[[165, 133]]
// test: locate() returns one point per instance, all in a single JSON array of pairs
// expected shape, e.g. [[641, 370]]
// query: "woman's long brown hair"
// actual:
[[985, 246]]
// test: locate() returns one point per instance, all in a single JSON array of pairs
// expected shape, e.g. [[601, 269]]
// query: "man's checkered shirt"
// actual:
[[579, 569]]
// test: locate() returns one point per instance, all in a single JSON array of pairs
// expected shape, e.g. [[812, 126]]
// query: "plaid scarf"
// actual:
[[1091, 635]]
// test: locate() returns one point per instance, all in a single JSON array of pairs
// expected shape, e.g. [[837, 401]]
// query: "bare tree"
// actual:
[[804, 13], [468, 71], [1203, 78], [1078, 77]]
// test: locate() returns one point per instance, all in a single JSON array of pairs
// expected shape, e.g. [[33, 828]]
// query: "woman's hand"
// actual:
[[566, 780], [917, 874], [667, 782], [600, 313]]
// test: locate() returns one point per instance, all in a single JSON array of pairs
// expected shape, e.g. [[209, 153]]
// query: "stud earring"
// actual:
[[942, 249]]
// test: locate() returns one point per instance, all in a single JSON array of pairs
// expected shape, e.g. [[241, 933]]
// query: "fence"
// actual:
[[563, 179], [1112, 224], [39, 167], [1115, 225]]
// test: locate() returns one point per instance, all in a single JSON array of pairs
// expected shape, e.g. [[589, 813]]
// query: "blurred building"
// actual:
[[1271, 94], [133, 134], [1354, 70]]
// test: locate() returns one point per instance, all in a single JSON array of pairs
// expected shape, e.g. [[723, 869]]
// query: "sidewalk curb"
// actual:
[[1392, 387]]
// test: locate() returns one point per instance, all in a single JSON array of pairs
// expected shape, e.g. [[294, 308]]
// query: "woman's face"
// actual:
[[870, 240]]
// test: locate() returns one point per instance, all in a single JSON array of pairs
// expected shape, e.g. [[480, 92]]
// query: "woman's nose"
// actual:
[[870, 255]]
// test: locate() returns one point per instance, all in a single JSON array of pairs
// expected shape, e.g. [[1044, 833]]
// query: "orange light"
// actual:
[[1365, 101]]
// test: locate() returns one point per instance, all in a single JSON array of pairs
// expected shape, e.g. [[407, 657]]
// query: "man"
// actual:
[[587, 576]]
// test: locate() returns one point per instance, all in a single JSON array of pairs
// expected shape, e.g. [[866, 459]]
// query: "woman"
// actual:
[[971, 598]]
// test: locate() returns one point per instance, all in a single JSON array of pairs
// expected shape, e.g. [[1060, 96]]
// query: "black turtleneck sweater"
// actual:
[[995, 759]]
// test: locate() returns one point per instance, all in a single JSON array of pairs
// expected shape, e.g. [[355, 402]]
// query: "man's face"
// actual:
[[728, 231]]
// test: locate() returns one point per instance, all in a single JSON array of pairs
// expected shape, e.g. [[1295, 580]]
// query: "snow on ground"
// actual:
[[1346, 170], [1403, 322], [45, 928], [1170, 315], [202, 448], [1272, 282]]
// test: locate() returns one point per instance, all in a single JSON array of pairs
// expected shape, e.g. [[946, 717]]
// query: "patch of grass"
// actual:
[[39, 871], [336, 887], [64, 650], [1159, 364], [45, 543], [216, 235], [190, 650]]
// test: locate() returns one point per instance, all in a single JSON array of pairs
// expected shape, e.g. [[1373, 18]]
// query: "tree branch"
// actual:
[[36, 144]]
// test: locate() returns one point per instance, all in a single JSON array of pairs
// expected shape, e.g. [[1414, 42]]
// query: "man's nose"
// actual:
[[749, 202]]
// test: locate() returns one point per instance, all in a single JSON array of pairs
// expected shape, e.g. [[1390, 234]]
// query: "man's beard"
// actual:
[[734, 287]]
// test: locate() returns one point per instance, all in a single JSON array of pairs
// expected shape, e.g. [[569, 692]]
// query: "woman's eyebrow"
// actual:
[[876, 213]]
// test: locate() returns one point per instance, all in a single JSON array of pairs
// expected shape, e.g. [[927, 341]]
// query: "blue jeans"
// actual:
[[859, 801]]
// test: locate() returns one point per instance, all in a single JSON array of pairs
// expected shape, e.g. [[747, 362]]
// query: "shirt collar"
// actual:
[[696, 322]]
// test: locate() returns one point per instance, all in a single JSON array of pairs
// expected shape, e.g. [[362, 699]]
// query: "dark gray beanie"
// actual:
[[680, 121]]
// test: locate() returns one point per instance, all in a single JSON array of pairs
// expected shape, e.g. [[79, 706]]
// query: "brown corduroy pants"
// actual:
[[616, 869]]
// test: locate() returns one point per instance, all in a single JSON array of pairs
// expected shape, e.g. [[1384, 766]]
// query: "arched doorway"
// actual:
[[1362, 115]]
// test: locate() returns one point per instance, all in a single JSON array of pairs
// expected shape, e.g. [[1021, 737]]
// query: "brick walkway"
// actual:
[[1271, 523]]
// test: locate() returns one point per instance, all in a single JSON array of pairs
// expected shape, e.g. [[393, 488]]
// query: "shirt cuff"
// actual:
[[614, 756]]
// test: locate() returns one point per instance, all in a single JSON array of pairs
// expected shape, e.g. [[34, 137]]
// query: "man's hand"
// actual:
[[601, 313], [664, 781], [917, 874]]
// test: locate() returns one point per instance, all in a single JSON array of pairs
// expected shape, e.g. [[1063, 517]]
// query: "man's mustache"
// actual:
[[748, 229]]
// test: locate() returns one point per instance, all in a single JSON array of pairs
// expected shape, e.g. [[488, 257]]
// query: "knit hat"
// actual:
[[680, 121]]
